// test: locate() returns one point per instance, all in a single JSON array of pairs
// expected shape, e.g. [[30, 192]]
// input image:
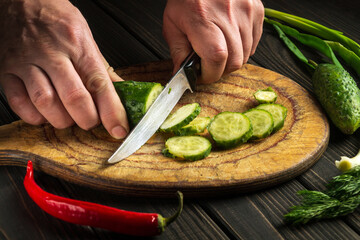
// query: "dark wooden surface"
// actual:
[[129, 32]]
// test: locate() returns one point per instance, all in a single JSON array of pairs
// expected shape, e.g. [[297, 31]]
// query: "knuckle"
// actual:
[[18, 104], [75, 96], [43, 98], [198, 7], [16, 100], [110, 114], [74, 34], [218, 56], [96, 83], [248, 5]]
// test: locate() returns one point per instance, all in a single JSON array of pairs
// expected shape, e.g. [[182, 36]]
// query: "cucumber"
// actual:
[[198, 125], [191, 148], [278, 113], [137, 97], [230, 129], [266, 95], [339, 95], [262, 123], [181, 117]]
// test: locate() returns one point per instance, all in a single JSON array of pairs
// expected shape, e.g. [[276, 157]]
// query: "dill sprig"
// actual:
[[341, 197]]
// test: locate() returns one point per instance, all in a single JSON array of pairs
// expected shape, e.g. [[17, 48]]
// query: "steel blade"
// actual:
[[154, 117]]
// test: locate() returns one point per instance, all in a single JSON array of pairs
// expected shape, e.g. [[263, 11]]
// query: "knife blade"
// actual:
[[184, 79]]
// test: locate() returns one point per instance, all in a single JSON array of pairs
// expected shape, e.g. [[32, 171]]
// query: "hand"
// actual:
[[223, 33], [52, 70]]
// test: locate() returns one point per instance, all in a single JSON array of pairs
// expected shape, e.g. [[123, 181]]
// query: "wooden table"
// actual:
[[128, 33]]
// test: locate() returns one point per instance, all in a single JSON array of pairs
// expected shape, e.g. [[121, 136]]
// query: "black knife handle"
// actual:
[[192, 69]]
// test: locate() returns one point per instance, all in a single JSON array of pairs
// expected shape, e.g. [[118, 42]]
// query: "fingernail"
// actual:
[[118, 132]]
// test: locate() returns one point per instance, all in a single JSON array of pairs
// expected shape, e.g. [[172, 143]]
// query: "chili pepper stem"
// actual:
[[163, 222]]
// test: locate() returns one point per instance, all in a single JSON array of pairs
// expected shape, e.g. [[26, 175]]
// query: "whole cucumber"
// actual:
[[339, 95]]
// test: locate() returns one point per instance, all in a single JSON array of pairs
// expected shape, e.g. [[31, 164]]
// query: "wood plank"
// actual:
[[246, 215], [118, 46], [143, 19]]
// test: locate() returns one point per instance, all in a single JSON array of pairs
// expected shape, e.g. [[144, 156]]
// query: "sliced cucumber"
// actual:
[[181, 117], [229, 129], [278, 113], [266, 95], [137, 97], [261, 121], [198, 125], [187, 147]]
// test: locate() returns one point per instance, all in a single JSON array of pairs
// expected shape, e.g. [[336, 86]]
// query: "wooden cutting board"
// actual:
[[80, 156]]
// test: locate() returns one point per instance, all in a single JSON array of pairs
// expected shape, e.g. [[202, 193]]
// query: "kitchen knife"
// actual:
[[185, 78]]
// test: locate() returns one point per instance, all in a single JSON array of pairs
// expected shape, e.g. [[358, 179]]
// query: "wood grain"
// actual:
[[80, 156]]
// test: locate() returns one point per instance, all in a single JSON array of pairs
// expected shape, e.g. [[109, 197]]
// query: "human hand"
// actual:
[[52, 70], [223, 33]]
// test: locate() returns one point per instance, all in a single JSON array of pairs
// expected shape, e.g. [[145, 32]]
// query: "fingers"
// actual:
[[19, 99], [76, 100], [44, 97], [62, 97], [213, 51], [97, 81], [223, 33], [86, 91], [178, 42]]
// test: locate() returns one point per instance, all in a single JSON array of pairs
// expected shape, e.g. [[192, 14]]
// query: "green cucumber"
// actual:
[[181, 117], [230, 129], [339, 95], [265, 95], [137, 97], [191, 148], [261, 121], [278, 113], [198, 125]]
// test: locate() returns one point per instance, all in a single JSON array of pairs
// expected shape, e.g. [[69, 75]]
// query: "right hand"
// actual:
[[52, 70], [223, 33]]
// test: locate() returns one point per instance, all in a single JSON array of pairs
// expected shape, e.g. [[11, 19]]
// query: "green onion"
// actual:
[[306, 39], [347, 55], [315, 28]]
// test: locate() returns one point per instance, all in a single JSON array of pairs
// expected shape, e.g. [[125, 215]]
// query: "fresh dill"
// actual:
[[341, 197]]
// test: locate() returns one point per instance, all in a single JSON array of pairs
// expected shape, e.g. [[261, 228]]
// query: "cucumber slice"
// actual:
[[137, 97], [198, 125], [278, 113], [229, 129], [266, 95], [181, 117], [261, 121], [187, 147]]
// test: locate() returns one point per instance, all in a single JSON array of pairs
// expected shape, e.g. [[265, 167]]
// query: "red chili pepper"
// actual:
[[96, 215]]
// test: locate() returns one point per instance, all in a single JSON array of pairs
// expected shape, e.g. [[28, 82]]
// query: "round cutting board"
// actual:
[[80, 156]]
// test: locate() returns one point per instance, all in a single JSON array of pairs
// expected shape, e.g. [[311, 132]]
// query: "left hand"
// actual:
[[223, 33]]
